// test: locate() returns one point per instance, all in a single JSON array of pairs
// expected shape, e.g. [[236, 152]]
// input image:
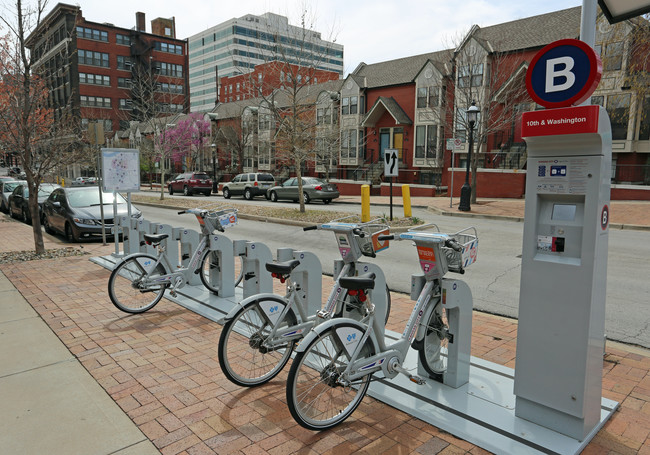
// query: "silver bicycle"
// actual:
[[335, 362], [139, 280], [260, 334]]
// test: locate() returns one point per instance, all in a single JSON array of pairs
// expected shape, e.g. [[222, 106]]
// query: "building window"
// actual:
[[345, 106], [644, 130], [613, 56], [94, 79], [94, 101], [169, 69], [425, 141], [92, 58], [124, 82], [167, 47], [126, 104], [354, 105], [470, 74], [124, 63], [618, 108], [123, 39], [422, 97], [350, 143], [91, 33]]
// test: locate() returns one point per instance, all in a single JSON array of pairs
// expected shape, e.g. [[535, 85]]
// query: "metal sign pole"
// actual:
[[100, 187], [391, 198], [451, 187]]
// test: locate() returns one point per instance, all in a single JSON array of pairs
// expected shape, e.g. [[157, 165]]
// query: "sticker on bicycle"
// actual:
[[379, 245], [272, 309], [343, 240], [228, 220], [344, 252], [470, 253], [350, 337], [427, 258], [146, 263]]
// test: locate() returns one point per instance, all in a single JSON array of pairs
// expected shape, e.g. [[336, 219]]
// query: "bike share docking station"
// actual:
[[179, 247], [552, 401]]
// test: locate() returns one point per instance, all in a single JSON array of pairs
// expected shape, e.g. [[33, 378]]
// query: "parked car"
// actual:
[[75, 212], [312, 188], [19, 200], [190, 183], [248, 185], [7, 188], [14, 171]]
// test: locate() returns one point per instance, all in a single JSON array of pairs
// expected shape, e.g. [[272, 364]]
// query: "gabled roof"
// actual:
[[531, 32], [399, 71], [382, 105]]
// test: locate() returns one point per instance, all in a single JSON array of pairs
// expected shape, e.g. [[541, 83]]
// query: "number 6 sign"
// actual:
[[391, 167]]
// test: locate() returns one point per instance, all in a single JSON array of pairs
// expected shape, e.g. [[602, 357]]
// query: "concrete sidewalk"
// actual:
[[77, 376]]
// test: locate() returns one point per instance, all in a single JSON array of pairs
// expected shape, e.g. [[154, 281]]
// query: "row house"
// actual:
[[107, 75]]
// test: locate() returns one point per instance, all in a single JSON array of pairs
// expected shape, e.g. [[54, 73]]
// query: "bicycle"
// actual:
[[334, 363], [260, 334], [138, 282]]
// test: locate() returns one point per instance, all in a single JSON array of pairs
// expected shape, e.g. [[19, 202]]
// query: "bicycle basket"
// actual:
[[225, 218], [369, 243], [458, 260]]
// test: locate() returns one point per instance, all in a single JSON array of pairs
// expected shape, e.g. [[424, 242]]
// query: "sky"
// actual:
[[371, 31]]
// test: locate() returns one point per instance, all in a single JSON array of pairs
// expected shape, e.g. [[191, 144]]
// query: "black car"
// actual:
[[76, 212], [19, 200]]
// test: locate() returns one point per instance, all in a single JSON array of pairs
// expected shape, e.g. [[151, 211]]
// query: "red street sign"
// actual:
[[568, 120], [563, 73]]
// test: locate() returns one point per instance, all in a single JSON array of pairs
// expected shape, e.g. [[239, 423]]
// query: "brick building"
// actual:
[[110, 75]]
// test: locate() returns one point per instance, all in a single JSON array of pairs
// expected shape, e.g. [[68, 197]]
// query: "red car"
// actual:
[[190, 183]]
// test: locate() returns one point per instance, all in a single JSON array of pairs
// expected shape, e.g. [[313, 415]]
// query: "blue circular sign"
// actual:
[[564, 73]]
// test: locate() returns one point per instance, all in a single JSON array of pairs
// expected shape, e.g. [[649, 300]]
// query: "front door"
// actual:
[[384, 143]]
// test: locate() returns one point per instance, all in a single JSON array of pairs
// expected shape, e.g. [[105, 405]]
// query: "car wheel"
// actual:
[[69, 234], [186, 191], [274, 196], [226, 193], [307, 198], [326, 201], [171, 190], [208, 193], [248, 194], [11, 212]]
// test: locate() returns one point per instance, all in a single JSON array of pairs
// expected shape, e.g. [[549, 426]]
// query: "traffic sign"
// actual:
[[563, 73], [391, 168], [454, 143]]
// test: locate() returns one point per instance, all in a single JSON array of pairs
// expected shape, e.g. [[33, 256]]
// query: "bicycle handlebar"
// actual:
[[386, 237], [310, 228], [181, 212], [359, 232], [453, 244]]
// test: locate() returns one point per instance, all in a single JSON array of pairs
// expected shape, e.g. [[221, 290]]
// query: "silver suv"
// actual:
[[248, 185]]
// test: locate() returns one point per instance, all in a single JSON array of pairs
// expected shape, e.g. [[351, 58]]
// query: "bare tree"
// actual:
[[41, 136]]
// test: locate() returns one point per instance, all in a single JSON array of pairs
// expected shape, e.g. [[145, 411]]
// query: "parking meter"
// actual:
[[560, 340]]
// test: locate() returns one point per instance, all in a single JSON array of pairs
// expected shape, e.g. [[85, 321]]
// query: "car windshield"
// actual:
[[91, 197], [46, 188], [265, 178]]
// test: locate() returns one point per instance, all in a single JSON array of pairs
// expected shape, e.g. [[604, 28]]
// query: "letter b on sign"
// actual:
[[563, 74]]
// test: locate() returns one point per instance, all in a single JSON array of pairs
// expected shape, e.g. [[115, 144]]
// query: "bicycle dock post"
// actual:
[[189, 242], [143, 228], [174, 254], [224, 275], [458, 304], [308, 275], [256, 279], [170, 243]]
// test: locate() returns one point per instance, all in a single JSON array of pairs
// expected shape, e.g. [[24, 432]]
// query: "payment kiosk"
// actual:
[[560, 341]]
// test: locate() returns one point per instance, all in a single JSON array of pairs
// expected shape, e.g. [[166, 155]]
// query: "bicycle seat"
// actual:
[[155, 238], [283, 268], [352, 283]]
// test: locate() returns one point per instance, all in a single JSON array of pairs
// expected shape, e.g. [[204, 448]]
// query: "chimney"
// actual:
[[140, 22]]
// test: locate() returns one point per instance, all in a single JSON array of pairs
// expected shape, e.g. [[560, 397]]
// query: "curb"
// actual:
[[442, 212]]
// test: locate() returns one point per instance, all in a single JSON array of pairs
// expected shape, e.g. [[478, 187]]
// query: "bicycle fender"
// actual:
[[240, 305], [422, 329], [317, 331]]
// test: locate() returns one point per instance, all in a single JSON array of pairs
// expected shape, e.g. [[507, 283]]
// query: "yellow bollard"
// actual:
[[62, 182], [406, 199], [365, 203]]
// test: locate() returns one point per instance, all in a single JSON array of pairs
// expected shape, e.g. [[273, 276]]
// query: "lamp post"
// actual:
[[466, 190]]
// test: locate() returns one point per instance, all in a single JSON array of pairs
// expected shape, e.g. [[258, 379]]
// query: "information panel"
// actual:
[[121, 169]]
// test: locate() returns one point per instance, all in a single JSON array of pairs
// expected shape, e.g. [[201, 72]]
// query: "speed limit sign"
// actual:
[[391, 167]]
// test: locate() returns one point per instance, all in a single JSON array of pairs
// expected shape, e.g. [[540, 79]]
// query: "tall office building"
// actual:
[[236, 46]]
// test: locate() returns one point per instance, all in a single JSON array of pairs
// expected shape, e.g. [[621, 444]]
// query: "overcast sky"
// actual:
[[370, 30]]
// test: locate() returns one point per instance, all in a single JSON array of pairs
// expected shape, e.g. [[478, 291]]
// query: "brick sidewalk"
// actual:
[[161, 368]]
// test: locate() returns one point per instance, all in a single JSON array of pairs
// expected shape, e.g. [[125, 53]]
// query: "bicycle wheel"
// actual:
[[243, 356], [354, 308], [124, 285], [435, 339], [317, 395], [210, 262]]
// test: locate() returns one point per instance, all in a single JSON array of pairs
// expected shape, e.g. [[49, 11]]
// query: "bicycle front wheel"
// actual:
[[126, 289], [436, 337], [210, 262], [317, 395], [246, 355]]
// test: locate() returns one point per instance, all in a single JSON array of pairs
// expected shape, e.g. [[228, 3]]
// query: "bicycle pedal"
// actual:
[[417, 380], [172, 293]]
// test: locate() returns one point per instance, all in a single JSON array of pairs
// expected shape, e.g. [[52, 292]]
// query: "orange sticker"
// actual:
[[426, 254]]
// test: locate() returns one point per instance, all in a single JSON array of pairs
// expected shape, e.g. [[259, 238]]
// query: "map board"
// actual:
[[121, 169]]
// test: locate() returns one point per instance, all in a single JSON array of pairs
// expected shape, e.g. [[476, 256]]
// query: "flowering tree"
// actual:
[[184, 140], [28, 126]]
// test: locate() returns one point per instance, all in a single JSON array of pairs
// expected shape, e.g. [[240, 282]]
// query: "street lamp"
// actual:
[[466, 190]]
